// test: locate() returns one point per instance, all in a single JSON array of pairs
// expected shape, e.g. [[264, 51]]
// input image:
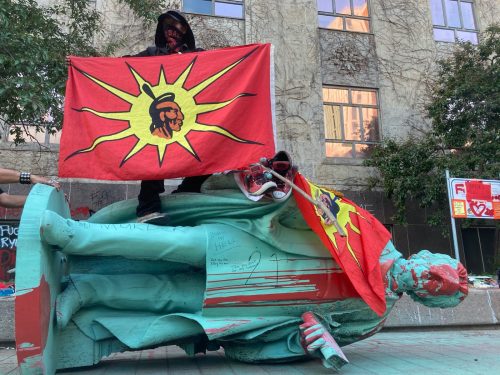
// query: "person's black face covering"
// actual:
[[174, 38]]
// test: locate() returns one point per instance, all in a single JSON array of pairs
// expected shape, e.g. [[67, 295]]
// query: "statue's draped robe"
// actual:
[[264, 268]]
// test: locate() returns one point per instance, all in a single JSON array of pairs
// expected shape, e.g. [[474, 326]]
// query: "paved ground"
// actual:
[[471, 352]]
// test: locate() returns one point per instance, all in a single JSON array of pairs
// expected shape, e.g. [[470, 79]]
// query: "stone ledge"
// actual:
[[481, 307], [6, 319]]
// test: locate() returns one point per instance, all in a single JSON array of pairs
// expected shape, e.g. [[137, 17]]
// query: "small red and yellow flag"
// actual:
[[357, 253]]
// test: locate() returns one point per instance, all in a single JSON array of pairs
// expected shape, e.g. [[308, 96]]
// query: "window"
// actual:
[[453, 20], [226, 8], [347, 15], [30, 135], [351, 121]]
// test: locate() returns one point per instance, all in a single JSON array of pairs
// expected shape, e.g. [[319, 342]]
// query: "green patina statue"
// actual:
[[250, 277]]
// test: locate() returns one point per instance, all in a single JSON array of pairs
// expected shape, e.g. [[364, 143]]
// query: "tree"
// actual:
[[33, 45], [464, 136]]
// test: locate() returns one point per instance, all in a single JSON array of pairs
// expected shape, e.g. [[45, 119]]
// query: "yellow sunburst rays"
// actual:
[[344, 220], [139, 119]]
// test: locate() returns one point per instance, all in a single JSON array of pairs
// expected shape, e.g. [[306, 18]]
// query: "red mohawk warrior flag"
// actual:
[[167, 116], [358, 254]]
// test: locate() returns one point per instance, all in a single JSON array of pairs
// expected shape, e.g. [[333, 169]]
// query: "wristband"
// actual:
[[25, 178]]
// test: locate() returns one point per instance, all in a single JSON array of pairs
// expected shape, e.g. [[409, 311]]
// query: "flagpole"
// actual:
[[317, 203], [453, 227]]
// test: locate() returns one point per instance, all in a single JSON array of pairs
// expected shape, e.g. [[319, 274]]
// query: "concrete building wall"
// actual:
[[291, 27]]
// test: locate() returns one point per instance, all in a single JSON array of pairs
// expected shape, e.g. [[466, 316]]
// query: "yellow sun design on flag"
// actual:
[[342, 216], [152, 103]]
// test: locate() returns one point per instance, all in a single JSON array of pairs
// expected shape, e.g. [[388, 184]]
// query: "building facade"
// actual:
[[348, 73]]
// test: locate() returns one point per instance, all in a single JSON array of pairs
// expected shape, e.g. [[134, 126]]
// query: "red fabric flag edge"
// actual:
[[371, 289]]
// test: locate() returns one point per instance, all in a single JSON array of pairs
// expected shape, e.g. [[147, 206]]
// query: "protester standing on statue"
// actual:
[[9, 176], [173, 35]]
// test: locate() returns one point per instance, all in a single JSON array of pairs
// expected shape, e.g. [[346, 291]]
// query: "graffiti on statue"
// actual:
[[81, 213], [8, 244], [9, 232]]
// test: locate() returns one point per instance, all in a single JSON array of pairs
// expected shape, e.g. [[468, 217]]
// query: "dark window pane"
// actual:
[[468, 16], [370, 124], [229, 10], [352, 129], [332, 122], [329, 22], [336, 95], [364, 97], [343, 6], [198, 6], [363, 151], [360, 8], [360, 26], [339, 150], [444, 35], [325, 6], [466, 36], [452, 16], [437, 12]]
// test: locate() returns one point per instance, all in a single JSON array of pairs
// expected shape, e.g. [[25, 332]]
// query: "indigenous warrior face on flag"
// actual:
[[166, 115]]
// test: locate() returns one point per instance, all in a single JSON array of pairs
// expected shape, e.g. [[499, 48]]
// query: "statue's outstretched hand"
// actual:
[[317, 340]]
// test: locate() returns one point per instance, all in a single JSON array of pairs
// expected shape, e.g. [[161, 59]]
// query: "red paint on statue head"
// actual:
[[384, 269], [32, 322], [463, 280], [414, 276], [443, 280]]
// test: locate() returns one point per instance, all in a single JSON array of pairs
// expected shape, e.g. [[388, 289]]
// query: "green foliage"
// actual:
[[33, 45], [464, 136]]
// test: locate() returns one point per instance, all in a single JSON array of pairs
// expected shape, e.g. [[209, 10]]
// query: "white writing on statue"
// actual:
[[8, 236]]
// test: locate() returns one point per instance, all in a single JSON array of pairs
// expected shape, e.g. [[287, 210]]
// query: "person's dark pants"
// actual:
[[149, 196]]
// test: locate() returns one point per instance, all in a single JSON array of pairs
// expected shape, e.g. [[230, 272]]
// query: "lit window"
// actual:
[[42, 137], [351, 121], [453, 21], [348, 15], [227, 8]]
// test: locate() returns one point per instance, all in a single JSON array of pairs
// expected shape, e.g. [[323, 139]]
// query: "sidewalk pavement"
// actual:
[[453, 352]]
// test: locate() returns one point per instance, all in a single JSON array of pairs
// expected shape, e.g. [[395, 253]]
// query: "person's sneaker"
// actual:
[[283, 190], [239, 177], [257, 180], [282, 164], [155, 218]]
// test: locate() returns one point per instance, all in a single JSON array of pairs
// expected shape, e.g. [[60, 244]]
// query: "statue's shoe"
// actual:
[[55, 230], [67, 304]]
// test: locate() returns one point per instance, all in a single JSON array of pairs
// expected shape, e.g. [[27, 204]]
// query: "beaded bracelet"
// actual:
[[25, 178]]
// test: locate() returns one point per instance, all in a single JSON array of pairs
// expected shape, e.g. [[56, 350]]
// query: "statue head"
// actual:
[[435, 280]]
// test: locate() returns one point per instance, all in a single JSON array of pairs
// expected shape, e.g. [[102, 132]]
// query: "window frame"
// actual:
[[212, 9], [460, 17], [360, 107], [30, 138], [344, 16]]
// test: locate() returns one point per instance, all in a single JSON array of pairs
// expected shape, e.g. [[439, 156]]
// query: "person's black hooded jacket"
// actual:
[[160, 47], [149, 200]]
